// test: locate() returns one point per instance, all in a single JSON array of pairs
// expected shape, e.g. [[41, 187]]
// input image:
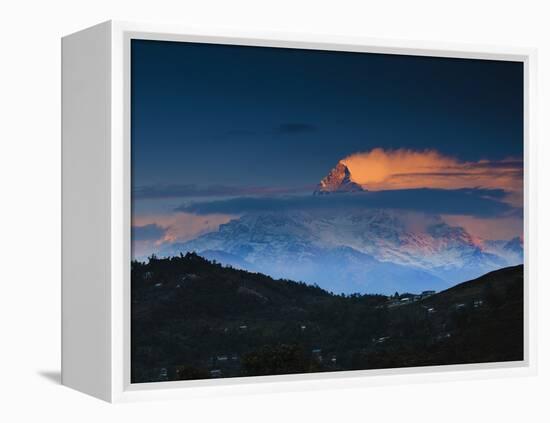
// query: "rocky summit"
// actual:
[[337, 181]]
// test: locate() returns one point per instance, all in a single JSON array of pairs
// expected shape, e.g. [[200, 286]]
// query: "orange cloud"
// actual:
[[178, 227], [494, 228], [380, 169]]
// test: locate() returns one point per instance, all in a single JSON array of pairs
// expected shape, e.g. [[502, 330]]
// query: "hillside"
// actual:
[[192, 319]]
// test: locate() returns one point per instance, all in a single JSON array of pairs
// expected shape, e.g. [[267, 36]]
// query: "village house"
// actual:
[[478, 303], [317, 354], [426, 294], [215, 373]]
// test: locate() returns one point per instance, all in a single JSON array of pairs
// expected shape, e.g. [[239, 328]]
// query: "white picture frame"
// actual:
[[96, 213]]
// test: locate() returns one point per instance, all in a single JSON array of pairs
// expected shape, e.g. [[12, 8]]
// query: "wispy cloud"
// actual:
[[149, 232], [179, 226], [506, 227], [476, 202], [285, 128], [381, 169], [181, 191], [295, 128]]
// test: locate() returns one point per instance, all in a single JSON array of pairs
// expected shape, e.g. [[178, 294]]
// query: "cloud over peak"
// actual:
[[379, 170], [479, 202]]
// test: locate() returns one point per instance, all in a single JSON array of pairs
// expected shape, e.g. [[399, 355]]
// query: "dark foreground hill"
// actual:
[[194, 319]]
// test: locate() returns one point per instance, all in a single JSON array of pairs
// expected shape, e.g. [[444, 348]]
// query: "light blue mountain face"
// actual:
[[340, 270], [365, 251]]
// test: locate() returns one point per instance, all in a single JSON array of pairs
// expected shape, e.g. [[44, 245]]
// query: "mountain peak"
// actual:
[[337, 181]]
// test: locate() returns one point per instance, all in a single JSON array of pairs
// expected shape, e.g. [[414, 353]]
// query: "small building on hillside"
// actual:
[[381, 340], [478, 303], [215, 373], [316, 352], [426, 294]]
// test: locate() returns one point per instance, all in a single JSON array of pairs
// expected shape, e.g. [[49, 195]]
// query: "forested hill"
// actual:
[[192, 286], [192, 318]]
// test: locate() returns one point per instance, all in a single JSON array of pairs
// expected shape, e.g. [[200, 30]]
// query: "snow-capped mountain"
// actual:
[[375, 251], [354, 249], [511, 250], [337, 181]]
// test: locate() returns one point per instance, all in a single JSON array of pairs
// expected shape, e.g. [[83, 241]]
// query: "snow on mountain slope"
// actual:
[[354, 249], [285, 247], [511, 250], [377, 251]]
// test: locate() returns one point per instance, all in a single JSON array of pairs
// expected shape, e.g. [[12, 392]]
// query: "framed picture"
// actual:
[[263, 212]]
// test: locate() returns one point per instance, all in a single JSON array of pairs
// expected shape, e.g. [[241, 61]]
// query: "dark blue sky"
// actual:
[[210, 114]]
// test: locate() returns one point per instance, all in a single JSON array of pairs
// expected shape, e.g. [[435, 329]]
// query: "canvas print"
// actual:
[[299, 211]]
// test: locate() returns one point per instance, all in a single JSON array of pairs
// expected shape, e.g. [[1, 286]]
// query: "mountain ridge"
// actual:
[[353, 250], [338, 180], [370, 250]]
